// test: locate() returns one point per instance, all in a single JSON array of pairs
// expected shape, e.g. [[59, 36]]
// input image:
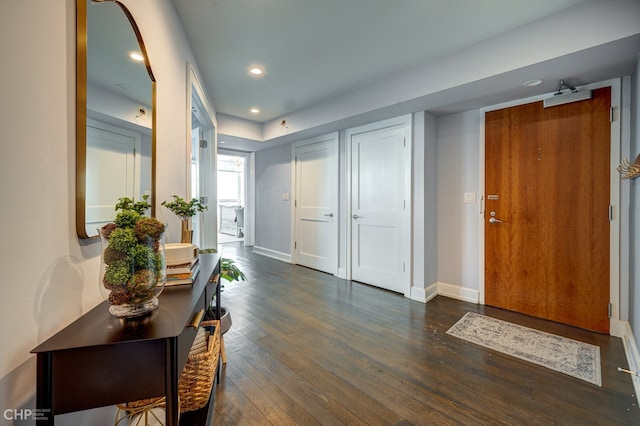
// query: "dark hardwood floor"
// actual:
[[307, 348]]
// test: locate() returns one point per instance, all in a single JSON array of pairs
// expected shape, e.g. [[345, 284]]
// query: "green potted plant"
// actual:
[[185, 210], [132, 267], [229, 271]]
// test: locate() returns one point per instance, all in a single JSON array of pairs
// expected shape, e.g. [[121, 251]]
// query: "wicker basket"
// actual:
[[142, 412], [194, 388]]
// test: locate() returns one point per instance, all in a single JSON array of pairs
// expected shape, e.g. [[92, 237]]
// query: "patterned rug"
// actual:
[[577, 359]]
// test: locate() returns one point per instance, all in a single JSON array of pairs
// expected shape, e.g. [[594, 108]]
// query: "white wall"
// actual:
[[430, 200], [458, 224], [49, 276], [424, 215], [273, 214], [634, 239]]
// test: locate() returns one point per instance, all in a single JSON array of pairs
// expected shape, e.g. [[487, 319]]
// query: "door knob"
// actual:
[[355, 216], [329, 215], [494, 220]]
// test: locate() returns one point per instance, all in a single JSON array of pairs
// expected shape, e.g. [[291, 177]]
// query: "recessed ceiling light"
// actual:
[[255, 110], [532, 83], [256, 70], [136, 56]]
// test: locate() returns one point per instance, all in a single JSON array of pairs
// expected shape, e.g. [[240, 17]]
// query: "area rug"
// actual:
[[577, 359]]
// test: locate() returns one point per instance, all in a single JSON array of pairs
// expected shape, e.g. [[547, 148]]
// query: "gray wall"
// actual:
[[634, 240], [458, 223], [273, 215]]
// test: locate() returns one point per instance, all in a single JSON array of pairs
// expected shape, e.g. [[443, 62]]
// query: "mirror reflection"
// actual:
[[118, 118]]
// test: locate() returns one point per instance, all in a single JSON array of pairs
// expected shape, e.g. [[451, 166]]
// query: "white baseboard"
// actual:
[[633, 356], [617, 328], [342, 273], [273, 254], [418, 294], [431, 291], [457, 292]]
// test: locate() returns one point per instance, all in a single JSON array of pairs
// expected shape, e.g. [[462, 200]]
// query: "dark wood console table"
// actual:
[[101, 360]]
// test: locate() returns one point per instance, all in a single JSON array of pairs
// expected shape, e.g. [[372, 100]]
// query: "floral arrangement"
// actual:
[[183, 209], [132, 256]]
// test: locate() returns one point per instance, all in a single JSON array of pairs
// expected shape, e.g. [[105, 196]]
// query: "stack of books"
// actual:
[[183, 273]]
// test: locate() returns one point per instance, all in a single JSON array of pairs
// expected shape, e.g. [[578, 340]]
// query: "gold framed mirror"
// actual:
[[115, 114]]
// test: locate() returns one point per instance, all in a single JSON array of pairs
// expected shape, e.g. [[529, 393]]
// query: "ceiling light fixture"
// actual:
[[136, 56], [255, 110], [256, 71], [532, 83]]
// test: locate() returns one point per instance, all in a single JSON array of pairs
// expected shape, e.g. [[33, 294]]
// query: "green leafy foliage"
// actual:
[[132, 257], [118, 273], [127, 219], [183, 209], [230, 271], [126, 203], [123, 239]]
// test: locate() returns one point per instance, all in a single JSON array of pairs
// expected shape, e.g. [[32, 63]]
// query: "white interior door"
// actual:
[[202, 183], [196, 149], [111, 158], [380, 205], [207, 189], [316, 204]]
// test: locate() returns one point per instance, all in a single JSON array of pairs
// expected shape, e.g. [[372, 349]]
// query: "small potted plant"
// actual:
[[185, 210], [229, 271]]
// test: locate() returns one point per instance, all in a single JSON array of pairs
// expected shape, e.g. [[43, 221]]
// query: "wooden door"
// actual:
[[547, 181], [316, 204]]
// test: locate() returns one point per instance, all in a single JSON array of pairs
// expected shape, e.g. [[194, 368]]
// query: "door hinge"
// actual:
[[203, 143], [295, 244], [610, 310], [404, 266], [610, 212], [404, 142], [610, 114]]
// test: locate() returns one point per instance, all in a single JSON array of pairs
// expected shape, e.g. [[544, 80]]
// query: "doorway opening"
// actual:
[[231, 198], [201, 164]]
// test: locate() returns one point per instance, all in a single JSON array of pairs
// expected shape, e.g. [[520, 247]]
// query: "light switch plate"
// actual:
[[469, 197], [285, 196]]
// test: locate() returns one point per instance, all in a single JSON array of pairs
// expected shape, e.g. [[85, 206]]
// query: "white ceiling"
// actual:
[[328, 63], [313, 50]]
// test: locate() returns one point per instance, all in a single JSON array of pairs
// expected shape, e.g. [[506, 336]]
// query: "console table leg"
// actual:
[[171, 383], [44, 392]]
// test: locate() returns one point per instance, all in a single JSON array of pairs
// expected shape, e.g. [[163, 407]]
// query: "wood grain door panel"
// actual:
[[547, 179]]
